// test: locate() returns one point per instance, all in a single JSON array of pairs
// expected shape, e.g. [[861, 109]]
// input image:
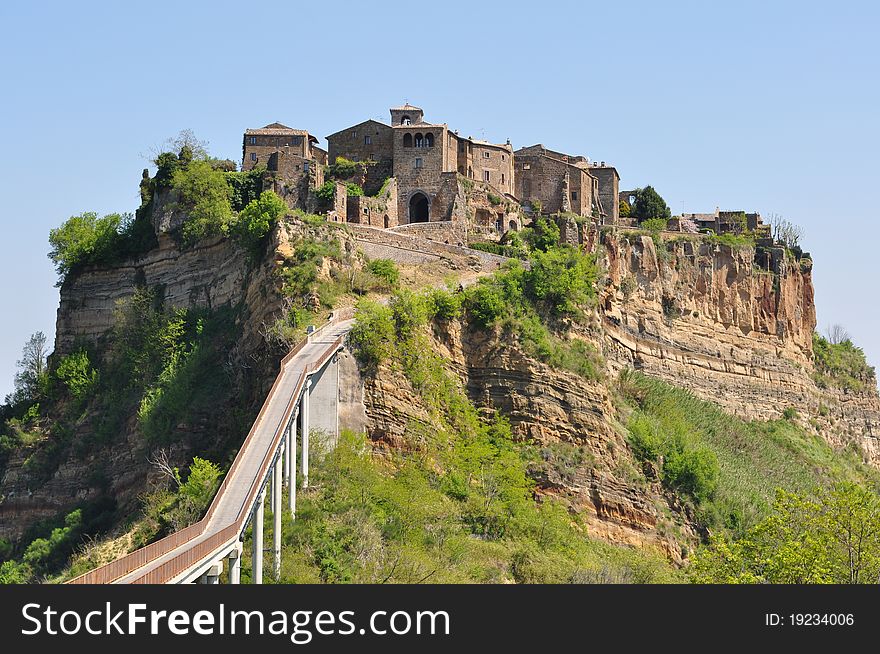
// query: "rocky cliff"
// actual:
[[734, 325]]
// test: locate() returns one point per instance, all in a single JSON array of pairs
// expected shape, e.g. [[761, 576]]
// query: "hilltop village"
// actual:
[[428, 180]]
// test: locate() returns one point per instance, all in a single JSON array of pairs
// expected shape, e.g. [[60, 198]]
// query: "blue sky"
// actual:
[[767, 106]]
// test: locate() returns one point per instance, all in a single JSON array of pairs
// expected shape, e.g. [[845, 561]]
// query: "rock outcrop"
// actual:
[[732, 325]]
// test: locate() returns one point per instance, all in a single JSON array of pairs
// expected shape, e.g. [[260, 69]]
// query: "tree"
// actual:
[[837, 334], [832, 538], [624, 209], [204, 194], [77, 374], [186, 143], [649, 204], [30, 380], [785, 232], [563, 278]]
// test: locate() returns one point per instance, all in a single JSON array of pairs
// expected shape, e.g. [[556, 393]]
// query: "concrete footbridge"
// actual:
[[304, 397]]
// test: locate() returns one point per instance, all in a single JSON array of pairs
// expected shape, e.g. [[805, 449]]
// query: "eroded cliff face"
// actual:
[[731, 325], [546, 407], [212, 274]]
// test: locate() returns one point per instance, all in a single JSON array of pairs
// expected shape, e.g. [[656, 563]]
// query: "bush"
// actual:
[[386, 270], [77, 374], [257, 219], [562, 278], [326, 192], [84, 239], [494, 200], [485, 304], [342, 168], [353, 190], [447, 306], [654, 224], [543, 235], [373, 335], [841, 365]]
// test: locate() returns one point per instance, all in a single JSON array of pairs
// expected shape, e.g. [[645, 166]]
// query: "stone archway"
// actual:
[[419, 208]]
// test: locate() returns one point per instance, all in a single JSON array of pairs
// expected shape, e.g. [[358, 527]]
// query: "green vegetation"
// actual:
[[654, 224], [386, 270], [648, 204], [829, 537], [52, 542], [454, 504], [494, 200], [326, 192], [178, 504], [86, 239], [257, 219], [32, 374], [343, 168], [204, 194], [353, 190], [841, 365], [77, 374], [625, 209], [729, 468]]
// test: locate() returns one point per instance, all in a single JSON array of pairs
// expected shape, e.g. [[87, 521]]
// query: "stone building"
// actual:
[[561, 182], [369, 142], [422, 155], [294, 163], [609, 189], [725, 222], [260, 143]]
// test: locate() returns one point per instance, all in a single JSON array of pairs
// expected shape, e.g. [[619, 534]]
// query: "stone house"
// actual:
[[566, 183], [293, 161], [421, 157]]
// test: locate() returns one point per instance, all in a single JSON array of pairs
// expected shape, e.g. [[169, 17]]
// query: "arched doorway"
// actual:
[[387, 222], [418, 208]]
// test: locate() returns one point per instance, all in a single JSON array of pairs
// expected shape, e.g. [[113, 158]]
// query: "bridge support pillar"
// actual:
[[291, 462], [276, 521], [257, 571], [304, 414], [212, 575], [235, 566]]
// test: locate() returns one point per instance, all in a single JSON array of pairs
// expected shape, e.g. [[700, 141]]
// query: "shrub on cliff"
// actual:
[[386, 270], [841, 365], [77, 374], [257, 219], [373, 335]]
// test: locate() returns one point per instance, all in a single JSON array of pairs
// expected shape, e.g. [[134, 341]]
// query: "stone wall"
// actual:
[[392, 239], [352, 144], [380, 211]]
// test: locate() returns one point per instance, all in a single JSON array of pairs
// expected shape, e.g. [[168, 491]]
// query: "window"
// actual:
[[253, 156], [306, 166], [429, 140], [419, 140], [405, 121], [485, 175], [502, 178], [574, 196], [485, 155], [407, 140], [253, 140], [502, 157], [418, 162], [368, 140], [527, 166]]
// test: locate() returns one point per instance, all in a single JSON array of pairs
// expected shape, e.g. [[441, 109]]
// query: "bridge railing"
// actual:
[[190, 556]]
